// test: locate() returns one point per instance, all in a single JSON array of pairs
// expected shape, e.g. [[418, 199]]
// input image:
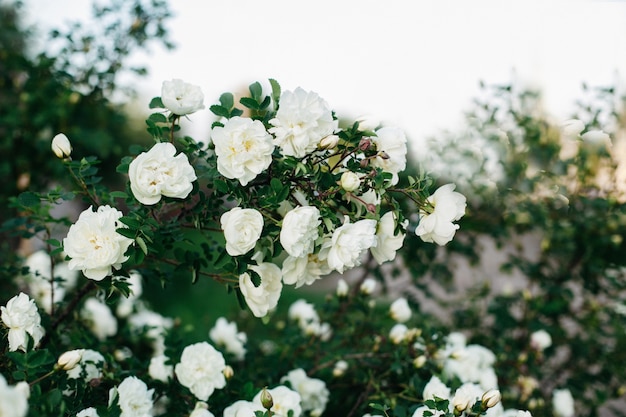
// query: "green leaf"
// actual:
[[156, 103], [256, 91], [158, 118], [276, 91], [118, 194], [142, 244], [53, 242], [130, 222], [220, 110], [126, 232], [249, 103], [227, 101], [28, 199]]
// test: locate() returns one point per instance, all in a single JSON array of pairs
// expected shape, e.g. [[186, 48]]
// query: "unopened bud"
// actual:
[[266, 399], [419, 361], [491, 398], [383, 155], [365, 144], [228, 372], [69, 359], [61, 146], [340, 368], [350, 181], [329, 142], [342, 288]]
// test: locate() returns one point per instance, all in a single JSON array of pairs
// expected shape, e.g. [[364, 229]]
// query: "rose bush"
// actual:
[[302, 198]]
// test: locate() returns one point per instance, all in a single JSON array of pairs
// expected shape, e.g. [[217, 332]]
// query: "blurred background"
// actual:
[[412, 64]]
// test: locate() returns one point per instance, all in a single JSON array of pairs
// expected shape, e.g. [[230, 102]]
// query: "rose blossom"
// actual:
[[88, 412], [392, 142], [299, 230], [242, 408], [133, 397], [400, 310], [39, 287], [91, 363], [181, 98], [22, 317], [466, 396], [243, 148], [99, 318], [388, 242], [225, 333], [93, 244], [265, 297], [158, 368], [201, 369], [242, 228], [348, 242], [562, 403], [540, 340], [301, 122], [304, 270], [350, 181], [69, 359], [436, 388], [285, 399], [447, 206], [13, 398], [160, 172], [313, 392]]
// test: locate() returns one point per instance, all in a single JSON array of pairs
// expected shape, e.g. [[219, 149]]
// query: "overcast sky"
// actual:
[[412, 64]]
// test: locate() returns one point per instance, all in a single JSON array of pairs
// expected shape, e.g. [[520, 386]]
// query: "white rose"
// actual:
[[391, 141], [447, 206], [388, 243], [88, 412], [224, 333], [397, 333], [201, 369], [304, 270], [91, 363], [368, 286], [22, 318], [181, 98], [421, 412], [242, 228], [540, 340], [348, 243], [400, 310], [61, 146], [159, 370], [13, 398], [572, 127], [99, 318], [242, 408], [160, 172], [596, 137], [299, 230], [350, 181], [153, 326], [313, 392], [302, 312], [302, 121], [466, 396], [285, 400], [436, 388], [133, 397], [562, 403], [342, 288], [265, 297], [243, 148], [38, 279], [93, 244]]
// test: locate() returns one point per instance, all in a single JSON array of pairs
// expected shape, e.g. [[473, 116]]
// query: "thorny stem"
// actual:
[[82, 184], [49, 250]]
